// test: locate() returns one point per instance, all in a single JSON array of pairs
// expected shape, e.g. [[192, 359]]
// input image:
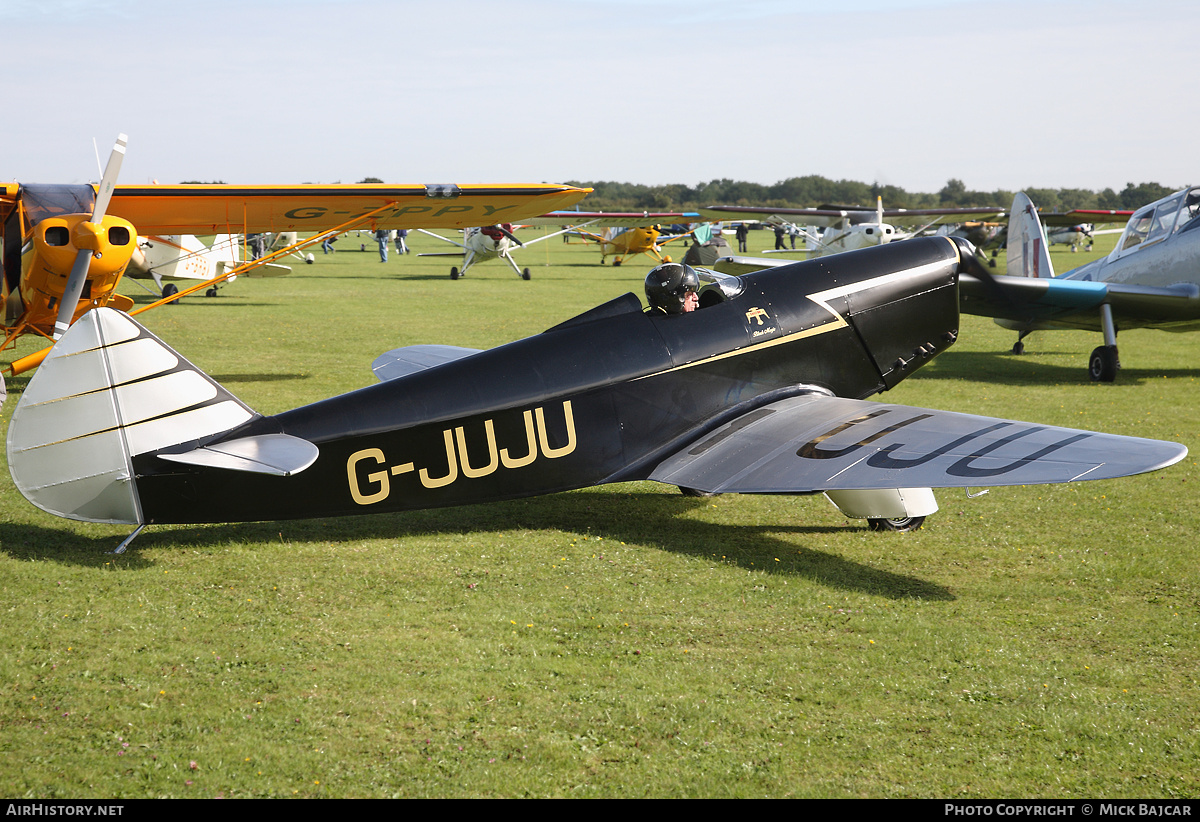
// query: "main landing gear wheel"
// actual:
[[1103, 364], [454, 275], [694, 492], [1018, 348], [899, 524], [170, 290], [212, 292], [525, 275]]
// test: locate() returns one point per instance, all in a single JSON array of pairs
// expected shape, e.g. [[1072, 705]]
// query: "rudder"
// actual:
[[108, 391], [1028, 251]]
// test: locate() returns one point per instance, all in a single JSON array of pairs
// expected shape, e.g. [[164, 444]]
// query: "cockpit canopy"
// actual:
[[1160, 220]]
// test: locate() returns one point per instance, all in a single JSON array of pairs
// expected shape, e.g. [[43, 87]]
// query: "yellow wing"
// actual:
[[220, 209]]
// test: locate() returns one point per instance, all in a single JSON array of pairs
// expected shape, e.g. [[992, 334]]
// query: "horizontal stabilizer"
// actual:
[[820, 443], [737, 265], [400, 362], [278, 454]]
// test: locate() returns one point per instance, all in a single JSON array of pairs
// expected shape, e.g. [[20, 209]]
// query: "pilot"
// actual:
[[672, 289]]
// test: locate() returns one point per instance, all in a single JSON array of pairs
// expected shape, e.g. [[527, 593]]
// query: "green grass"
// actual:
[[620, 641]]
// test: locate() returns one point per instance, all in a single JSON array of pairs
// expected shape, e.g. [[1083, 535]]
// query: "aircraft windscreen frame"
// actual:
[[42, 200]]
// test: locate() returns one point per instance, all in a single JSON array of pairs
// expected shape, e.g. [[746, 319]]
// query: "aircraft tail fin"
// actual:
[[1028, 251], [108, 391]]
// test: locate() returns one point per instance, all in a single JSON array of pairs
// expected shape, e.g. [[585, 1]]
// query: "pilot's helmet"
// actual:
[[668, 284]]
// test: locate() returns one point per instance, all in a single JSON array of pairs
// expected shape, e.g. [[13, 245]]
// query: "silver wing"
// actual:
[[819, 443]]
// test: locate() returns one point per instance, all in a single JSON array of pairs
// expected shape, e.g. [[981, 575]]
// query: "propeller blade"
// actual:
[[973, 268], [510, 235], [109, 180], [70, 297], [83, 259]]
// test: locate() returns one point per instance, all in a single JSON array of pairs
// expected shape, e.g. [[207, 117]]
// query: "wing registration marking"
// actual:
[[883, 458]]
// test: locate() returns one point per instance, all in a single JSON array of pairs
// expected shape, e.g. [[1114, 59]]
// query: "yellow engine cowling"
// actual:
[[47, 264]]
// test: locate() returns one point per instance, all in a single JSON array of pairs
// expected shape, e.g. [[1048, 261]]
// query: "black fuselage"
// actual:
[[601, 398]]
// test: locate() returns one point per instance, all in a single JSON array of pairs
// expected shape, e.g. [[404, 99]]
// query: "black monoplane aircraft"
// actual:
[[759, 391]]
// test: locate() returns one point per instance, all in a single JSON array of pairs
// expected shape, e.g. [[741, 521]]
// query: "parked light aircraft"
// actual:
[[835, 229], [623, 234], [66, 247], [620, 234], [761, 390], [174, 258], [1151, 279], [1068, 227], [482, 243]]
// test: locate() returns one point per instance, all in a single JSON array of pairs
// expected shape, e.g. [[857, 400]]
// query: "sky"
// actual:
[[912, 93]]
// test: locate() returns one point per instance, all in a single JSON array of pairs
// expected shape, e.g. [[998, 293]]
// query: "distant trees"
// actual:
[[1135, 196], [813, 190]]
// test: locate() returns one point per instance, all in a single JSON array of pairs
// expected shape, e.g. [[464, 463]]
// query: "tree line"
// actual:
[[813, 190]]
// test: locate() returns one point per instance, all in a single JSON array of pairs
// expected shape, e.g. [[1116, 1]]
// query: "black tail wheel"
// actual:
[[899, 524]]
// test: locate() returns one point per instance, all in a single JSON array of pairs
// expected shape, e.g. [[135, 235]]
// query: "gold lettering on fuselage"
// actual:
[[377, 477], [493, 458], [451, 466], [375, 486], [555, 453], [530, 446]]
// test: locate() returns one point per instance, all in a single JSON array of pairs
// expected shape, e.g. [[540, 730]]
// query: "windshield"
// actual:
[[41, 201], [716, 287]]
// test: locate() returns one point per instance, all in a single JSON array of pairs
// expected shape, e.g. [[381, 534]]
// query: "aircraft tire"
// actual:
[[1018, 348], [212, 292], [454, 273], [694, 492], [616, 262], [525, 275], [1103, 364], [898, 525], [169, 290]]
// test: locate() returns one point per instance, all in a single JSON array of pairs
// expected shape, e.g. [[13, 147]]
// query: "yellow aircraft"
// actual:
[[621, 234], [66, 247]]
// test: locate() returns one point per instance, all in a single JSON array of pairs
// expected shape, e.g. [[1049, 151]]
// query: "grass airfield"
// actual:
[[622, 641]]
